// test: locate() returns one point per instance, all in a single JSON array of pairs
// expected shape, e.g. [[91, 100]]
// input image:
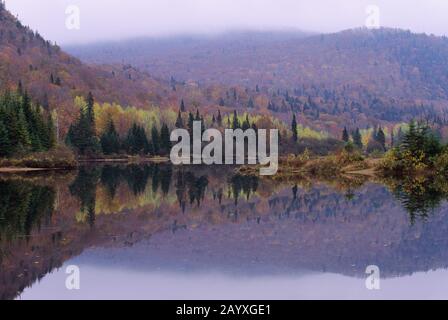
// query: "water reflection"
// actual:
[[156, 217], [24, 207]]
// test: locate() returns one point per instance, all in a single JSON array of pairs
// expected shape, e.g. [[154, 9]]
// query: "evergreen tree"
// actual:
[[190, 123], [179, 121], [155, 141], [50, 137], [182, 106], [165, 141], [82, 134], [251, 104], [219, 119], [294, 128], [110, 140], [381, 138], [21, 132], [5, 145], [236, 122], [198, 116], [20, 88], [90, 110], [136, 141], [246, 123], [357, 138], [345, 135], [392, 139], [410, 139]]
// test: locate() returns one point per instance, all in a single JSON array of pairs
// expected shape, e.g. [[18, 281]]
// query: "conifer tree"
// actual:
[[219, 119], [357, 138], [155, 141], [295, 133], [381, 138], [5, 145], [190, 123], [345, 135], [82, 134], [246, 123], [236, 123], [179, 121], [182, 106], [110, 140], [165, 141]]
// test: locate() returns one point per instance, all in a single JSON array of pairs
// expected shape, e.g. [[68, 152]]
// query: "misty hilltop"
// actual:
[[392, 62]]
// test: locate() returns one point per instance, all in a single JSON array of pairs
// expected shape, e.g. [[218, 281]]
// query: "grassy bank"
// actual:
[[56, 158], [307, 165], [64, 158]]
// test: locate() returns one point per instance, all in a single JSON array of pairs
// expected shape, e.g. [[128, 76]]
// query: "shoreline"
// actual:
[[24, 169]]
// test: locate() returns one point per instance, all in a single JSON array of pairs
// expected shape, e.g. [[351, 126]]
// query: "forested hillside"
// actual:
[[54, 78], [355, 79]]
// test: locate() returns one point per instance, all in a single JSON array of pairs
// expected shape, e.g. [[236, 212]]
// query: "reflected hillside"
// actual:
[[208, 218]]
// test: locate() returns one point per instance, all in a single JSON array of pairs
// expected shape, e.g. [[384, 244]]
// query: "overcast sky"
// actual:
[[118, 19]]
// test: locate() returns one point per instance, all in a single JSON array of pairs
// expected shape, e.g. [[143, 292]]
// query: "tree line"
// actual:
[[82, 137]]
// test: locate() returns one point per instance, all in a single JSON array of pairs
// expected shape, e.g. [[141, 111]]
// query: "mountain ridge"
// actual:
[[375, 78]]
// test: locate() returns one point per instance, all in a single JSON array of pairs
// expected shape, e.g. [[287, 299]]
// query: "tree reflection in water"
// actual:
[[138, 191], [24, 206], [420, 196]]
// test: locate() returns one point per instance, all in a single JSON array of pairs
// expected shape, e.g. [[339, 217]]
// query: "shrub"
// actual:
[[441, 164]]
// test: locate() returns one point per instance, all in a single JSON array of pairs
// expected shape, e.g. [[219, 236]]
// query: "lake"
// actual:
[[162, 232]]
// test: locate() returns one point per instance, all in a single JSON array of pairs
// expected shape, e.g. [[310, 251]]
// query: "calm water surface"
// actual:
[[157, 232]]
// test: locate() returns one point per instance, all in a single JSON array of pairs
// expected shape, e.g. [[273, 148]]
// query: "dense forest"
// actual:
[[24, 127]]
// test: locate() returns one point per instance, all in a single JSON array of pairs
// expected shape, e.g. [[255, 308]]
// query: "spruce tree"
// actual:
[[246, 123], [110, 140], [219, 119], [182, 106], [357, 138], [236, 123], [381, 138], [165, 141], [22, 134], [190, 123], [294, 128], [345, 135], [179, 121], [155, 141], [90, 110], [5, 145]]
